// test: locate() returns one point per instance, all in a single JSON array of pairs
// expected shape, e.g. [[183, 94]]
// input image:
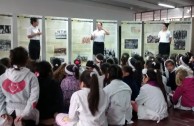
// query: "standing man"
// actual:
[[165, 40], [33, 33], [98, 36]]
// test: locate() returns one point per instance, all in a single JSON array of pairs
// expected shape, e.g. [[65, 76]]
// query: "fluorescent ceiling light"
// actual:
[[166, 5]]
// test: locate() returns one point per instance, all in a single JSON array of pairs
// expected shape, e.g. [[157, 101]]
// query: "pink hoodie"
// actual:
[[186, 91]]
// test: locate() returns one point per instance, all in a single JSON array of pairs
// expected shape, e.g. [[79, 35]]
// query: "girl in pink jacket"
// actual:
[[183, 96]]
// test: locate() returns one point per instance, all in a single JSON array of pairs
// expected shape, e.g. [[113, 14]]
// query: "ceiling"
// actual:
[[143, 5]]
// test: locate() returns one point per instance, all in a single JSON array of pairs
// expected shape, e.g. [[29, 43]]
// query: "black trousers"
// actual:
[[98, 47], [34, 49], [164, 49]]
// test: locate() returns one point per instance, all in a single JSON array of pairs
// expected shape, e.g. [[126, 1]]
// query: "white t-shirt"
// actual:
[[99, 35], [164, 36], [31, 30]]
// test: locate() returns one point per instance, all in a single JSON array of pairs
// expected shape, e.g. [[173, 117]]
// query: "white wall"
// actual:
[[65, 8]]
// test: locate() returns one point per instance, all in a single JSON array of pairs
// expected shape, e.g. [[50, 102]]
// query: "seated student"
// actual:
[[56, 63], [151, 103], [51, 99], [116, 61], [119, 96], [184, 64], [88, 105], [128, 78], [99, 59], [110, 61], [124, 59], [93, 67], [103, 78], [183, 97], [70, 84], [19, 91], [170, 74], [60, 74]]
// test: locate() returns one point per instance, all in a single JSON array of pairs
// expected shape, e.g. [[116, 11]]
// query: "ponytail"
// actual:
[[91, 81], [76, 71], [93, 96], [160, 84]]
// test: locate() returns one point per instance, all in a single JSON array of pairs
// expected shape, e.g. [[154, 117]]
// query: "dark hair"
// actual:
[[115, 72], [91, 81], [59, 74], [104, 68], [5, 62], [169, 61], [32, 20], [2, 69], [91, 64], [157, 76], [74, 69], [110, 61], [116, 61], [56, 62], [44, 69], [100, 57], [124, 59], [166, 24], [31, 64], [19, 57], [127, 69]]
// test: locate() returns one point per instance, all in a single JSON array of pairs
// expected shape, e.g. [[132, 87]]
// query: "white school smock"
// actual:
[[101, 81], [79, 111], [99, 35], [119, 96], [164, 36], [32, 30], [151, 103]]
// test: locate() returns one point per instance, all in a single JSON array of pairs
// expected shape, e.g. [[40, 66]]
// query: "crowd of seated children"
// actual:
[[103, 94]]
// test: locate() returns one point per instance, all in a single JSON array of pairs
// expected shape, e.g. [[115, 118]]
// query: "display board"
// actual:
[[6, 34], [56, 32], [182, 34], [151, 41], [111, 41], [23, 23], [131, 37], [81, 44]]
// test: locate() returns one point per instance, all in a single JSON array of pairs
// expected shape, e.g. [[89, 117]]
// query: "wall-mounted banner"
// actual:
[[56, 31], [6, 34], [131, 37], [81, 43]]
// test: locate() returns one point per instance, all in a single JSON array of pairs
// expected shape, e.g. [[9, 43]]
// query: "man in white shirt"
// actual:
[[98, 36], [165, 39], [33, 33]]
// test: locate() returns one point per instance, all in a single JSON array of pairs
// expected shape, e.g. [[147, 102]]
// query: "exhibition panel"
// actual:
[[151, 41], [81, 30], [6, 34], [131, 37], [23, 23], [56, 33], [111, 41]]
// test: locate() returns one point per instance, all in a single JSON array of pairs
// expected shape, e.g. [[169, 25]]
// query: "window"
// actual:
[[138, 16], [164, 15], [147, 16], [157, 15], [176, 13]]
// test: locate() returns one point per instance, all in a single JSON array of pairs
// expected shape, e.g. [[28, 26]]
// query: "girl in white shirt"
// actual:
[[87, 106], [151, 103], [165, 39], [119, 96]]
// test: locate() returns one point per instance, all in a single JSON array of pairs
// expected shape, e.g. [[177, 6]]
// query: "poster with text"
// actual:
[[151, 41], [23, 23], [181, 33], [56, 32], [6, 35], [111, 41], [81, 43], [131, 37]]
